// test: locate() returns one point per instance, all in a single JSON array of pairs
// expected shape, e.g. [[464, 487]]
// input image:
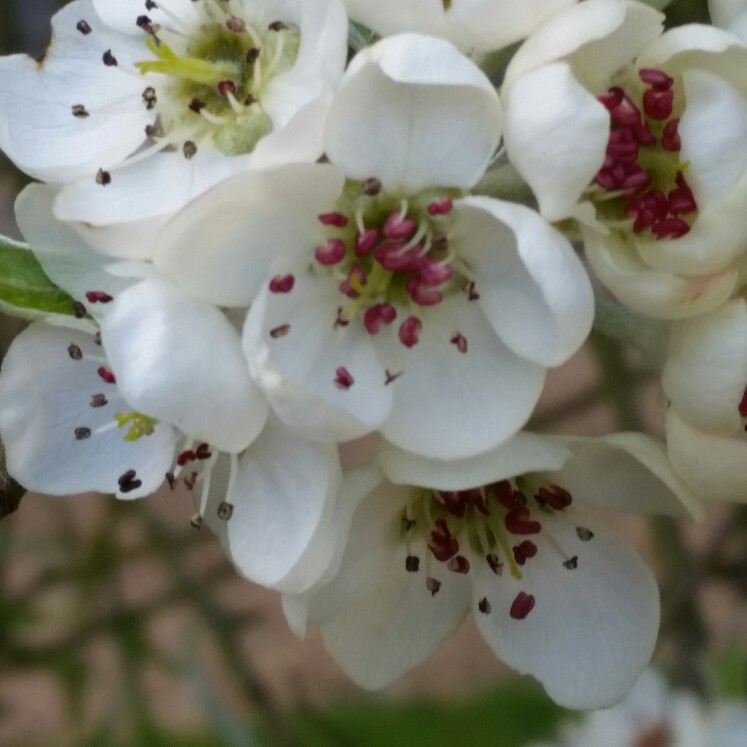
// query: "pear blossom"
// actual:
[[484, 25], [151, 103], [553, 591], [705, 381], [390, 298], [646, 147], [653, 715]]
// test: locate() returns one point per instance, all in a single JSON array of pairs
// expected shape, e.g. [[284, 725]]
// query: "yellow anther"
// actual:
[[188, 68], [139, 425]]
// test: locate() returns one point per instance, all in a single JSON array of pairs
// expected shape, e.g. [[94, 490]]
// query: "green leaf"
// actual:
[[25, 291], [360, 36]]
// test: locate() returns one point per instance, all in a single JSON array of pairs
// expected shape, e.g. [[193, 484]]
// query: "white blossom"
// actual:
[[730, 15]]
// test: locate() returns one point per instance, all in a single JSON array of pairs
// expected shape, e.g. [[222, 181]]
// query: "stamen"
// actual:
[[522, 606]]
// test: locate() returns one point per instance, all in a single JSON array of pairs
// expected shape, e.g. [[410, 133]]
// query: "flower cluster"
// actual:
[[276, 243]]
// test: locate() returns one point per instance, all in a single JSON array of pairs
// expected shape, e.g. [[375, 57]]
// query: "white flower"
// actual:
[[470, 24], [653, 715], [730, 15], [138, 107], [705, 379], [554, 592], [646, 145], [396, 301]]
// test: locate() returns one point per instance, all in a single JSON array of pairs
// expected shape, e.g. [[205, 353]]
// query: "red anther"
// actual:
[[98, 297], [656, 78], [670, 139], [460, 342], [681, 200], [658, 104], [334, 219], [282, 284], [626, 113], [409, 331], [392, 256], [203, 452], [527, 549], [743, 405], [522, 606], [459, 564], [505, 494], [366, 241], [331, 253], [185, 458], [107, 375], [612, 99], [225, 87], [622, 146], [434, 272], [343, 378], [635, 182], [475, 498], [472, 294], [280, 331], [452, 502], [670, 228], [381, 313], [554, 496], [441, 207], [443, 544], [397, 227], [346, 286], [422, 294], [519, 521], [647, 210]]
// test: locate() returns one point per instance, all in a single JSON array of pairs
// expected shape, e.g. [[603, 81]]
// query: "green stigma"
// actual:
[[139, 425], [187, 68]]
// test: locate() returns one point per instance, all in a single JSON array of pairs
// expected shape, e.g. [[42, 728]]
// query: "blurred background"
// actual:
[[120, 626]]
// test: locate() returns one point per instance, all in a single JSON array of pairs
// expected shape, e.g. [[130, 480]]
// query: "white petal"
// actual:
[[556, 136], [714, 467], [655, 293], [65, 258], [713, 129], [415, 113], [450, 404], [533, 288], [122, 14], [287, 511], [38, 130], [397, 626], [220, 246], [706, 369], [308, 356], [525, 452], [46, 393], [592, 630], [624, 472], [181, 360]]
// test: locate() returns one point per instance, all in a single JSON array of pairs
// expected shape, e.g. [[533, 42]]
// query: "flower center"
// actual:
[[137, 424], [217, 76], [491, 524], [641, 186], [391, 255]]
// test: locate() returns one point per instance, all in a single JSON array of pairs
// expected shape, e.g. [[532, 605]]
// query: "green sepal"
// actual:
[[25, 291]]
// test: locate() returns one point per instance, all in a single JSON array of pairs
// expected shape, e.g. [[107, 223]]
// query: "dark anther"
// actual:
[[97, 338], [196, 522], [171, 480], [150, 5], [225, 511], [407, 524], [153, 131], [584, 534], [99, 400], [202, 452], [75, 352], [146, 24], [79, 310], [484, 606], [253, 55], [372, 186], [412, 564], [103, 178], [433, 585], [236, 25], [109, 59], [495, 563], [249, 100], [189, 150], [280, 331], [84, 27], [81, 434], [129, 482], [80, 111], [196, 105], [127, 477], [572, 563], [277, 26], [391, 377], [150, 98]]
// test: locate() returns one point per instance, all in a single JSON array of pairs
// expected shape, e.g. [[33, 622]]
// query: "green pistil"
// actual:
[[376, 286], [187, 68], [139, 425]]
